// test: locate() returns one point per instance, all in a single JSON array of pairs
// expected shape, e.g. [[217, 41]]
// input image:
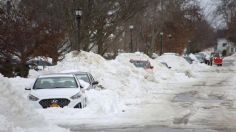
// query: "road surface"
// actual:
[[210, 102]]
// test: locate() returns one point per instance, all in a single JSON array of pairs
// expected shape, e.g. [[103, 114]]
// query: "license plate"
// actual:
[[55, 106]]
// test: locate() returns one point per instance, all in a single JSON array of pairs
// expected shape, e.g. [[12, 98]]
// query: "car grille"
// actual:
[[45, 103]]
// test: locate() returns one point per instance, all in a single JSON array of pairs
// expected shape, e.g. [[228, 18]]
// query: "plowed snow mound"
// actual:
[[177, 63], [15, 113]]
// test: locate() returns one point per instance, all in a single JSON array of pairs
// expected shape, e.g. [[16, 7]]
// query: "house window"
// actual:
[[224, 44]]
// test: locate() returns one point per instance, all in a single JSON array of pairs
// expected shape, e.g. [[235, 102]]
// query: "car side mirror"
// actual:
[[28, 89], [81, 87], [95, 83]]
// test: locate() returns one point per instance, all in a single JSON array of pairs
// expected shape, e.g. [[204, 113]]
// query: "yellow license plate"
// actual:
[[55, 105]]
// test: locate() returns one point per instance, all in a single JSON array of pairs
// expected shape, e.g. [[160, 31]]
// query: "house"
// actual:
[[225, 47]]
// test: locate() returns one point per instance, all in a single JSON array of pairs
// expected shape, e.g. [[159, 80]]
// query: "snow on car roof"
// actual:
[[74, 72], [56, 75]]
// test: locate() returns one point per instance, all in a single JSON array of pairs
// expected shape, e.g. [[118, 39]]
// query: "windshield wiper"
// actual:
[[53, 88], [59, 87], [40, 88]]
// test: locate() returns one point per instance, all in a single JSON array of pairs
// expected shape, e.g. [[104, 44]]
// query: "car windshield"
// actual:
[[141, 64], [83, 77], [55, 82]]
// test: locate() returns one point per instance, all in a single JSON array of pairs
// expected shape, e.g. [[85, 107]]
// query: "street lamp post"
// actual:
[[131, 27], [169, 44], [78, 14], [161, 42], [188, 47], [170, 36]]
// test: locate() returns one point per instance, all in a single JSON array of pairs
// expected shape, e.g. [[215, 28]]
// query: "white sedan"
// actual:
[[57, 90]]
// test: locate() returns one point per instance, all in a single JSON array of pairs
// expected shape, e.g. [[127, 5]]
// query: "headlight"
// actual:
[[33, 98], [76, 96]]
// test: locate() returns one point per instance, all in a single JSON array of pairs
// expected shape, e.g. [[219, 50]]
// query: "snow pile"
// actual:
[[158, 73], [177, 63], [15, 113], [123, 82]]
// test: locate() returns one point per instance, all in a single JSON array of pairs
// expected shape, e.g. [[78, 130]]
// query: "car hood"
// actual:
[[55, 93]]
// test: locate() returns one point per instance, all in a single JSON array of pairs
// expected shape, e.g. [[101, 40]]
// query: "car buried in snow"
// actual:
[[188, 59], [57, 90], [166, 65], [87, 78], [145, 64]]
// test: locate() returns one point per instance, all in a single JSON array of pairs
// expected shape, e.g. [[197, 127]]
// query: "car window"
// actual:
[[55, 82], [83, 77], [91, 77], [142, 64]]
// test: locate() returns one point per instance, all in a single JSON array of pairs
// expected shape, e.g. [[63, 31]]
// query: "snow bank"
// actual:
[[15, 113], [177, 63], [123, 82]]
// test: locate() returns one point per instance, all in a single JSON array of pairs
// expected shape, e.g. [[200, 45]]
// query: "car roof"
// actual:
[[78, 73], [56, 75]]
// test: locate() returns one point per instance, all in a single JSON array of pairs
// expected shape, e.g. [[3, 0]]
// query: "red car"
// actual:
[[216, 59]]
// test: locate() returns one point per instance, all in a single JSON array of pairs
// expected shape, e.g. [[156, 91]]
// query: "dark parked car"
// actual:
[[38, 64], [142, 64]]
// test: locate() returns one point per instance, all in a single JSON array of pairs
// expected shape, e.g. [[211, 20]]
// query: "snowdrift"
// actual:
[[177, 63], [15, 113]]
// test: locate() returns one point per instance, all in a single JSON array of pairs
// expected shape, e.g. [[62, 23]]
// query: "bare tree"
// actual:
[[227, 9], [23, 37]]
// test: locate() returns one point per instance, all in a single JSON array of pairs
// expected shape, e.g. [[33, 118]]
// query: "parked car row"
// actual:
[[68, 89], [212, 59], [61, 90]]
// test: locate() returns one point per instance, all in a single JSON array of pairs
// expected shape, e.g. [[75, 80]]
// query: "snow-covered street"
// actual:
[[187, 97], [117, 66], [206, 104]]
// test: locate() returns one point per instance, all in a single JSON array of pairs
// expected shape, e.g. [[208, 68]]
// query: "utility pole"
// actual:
[[161, 41], [161, 33]]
